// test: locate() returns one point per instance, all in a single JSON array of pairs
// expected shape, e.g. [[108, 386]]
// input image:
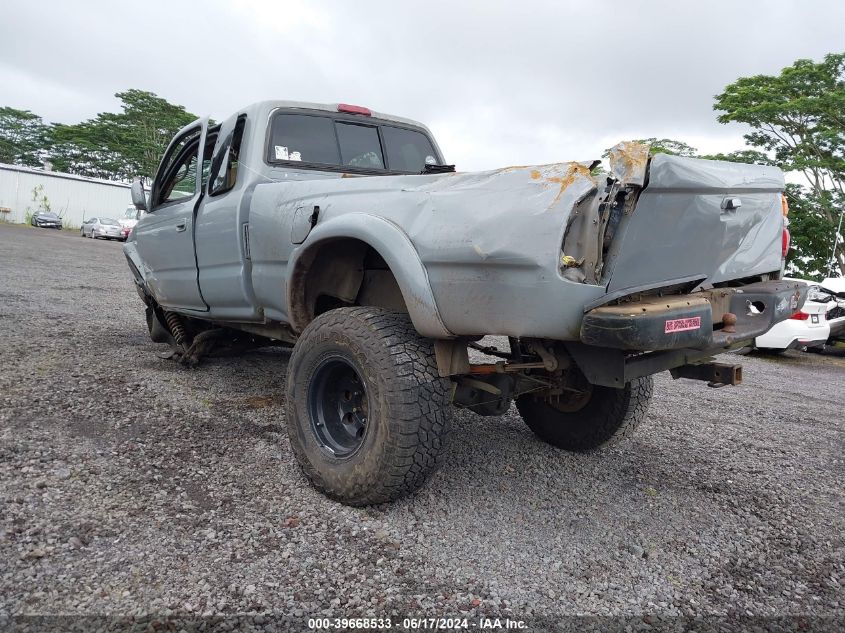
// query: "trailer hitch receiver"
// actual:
[[716, 374]]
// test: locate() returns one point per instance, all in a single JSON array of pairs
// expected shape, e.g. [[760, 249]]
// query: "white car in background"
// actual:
[[807, 328], [128, 220]]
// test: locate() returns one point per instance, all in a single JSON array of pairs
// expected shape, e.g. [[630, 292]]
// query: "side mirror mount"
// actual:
[[139, 196]]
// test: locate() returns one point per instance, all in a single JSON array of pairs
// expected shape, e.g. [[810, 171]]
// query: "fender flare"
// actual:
[[397, 250]]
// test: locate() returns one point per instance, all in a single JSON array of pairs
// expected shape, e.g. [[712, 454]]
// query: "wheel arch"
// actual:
[[333, 260]]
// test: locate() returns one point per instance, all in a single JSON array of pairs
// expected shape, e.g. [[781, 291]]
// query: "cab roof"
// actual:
[[270, 105]]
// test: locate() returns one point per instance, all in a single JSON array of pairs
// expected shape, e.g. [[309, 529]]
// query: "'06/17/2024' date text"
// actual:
[[387, 624]]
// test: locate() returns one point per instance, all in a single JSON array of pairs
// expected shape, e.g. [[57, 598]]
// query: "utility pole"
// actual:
[[835, 244]]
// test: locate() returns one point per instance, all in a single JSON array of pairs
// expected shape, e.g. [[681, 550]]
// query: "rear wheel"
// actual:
[[587, 419], [367, 413]]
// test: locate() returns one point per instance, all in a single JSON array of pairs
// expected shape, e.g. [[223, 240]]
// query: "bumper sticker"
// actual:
[[680, 325]]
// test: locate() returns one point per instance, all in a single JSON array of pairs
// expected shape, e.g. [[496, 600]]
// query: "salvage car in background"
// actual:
[[46, 220], [106, 228], [344, 232], [805, 329]]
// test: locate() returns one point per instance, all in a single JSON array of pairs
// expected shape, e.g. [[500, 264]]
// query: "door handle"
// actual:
[[182, 226]]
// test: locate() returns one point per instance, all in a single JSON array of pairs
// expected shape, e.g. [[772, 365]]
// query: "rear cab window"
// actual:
[[331, 142]]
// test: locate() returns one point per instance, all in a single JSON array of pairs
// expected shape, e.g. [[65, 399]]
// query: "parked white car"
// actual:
[[806, 328], [128, 220]]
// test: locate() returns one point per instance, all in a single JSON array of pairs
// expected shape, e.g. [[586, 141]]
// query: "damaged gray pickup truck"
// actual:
[[343, 232]]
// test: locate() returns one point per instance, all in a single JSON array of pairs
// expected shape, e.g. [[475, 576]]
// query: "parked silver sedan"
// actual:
[[107, 228]]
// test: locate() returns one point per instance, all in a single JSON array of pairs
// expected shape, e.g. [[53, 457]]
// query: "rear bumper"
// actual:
[[635, 339], [698, 321]]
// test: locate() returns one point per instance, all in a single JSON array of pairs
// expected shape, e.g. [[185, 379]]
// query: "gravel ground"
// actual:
[[131, 485]]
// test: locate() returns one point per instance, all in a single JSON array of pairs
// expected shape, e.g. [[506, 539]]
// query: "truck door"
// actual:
[[221, 234], [165, 235]]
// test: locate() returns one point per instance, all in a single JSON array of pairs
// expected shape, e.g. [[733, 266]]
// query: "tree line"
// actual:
[[797, 122], [112, 145]]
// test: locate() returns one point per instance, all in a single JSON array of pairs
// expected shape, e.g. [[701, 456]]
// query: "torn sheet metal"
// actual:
[[629, 162], [680, 229]]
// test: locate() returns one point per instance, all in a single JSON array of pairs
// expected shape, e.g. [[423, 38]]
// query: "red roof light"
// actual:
[[353, 109]]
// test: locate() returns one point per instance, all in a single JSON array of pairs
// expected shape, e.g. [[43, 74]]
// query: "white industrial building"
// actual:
[[74, 198]]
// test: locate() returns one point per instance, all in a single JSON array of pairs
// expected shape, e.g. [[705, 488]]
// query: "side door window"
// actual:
[[177, 176], [226, 158]]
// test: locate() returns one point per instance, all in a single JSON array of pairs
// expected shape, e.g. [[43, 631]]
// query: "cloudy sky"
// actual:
[[499, 83]]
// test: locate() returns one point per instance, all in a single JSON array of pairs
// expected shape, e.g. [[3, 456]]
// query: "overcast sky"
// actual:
[[499, 83]]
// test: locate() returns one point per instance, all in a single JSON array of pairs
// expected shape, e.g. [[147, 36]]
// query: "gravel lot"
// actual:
[[131, 485]]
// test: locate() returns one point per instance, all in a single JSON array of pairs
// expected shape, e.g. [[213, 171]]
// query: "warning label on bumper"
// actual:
[[679, 325]]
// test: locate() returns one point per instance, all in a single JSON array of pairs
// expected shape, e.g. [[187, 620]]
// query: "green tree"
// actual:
[[809, 228], [24, 137], [663, 146], [668, 146], [120, 145], [656, 146], [797, 118], [750, 156]]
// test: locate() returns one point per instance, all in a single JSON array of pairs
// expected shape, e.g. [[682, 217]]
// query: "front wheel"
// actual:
[[588, 419], [367, 412]]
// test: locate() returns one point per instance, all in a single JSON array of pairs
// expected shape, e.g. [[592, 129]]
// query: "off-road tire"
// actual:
[[609, 416], [408, 405]]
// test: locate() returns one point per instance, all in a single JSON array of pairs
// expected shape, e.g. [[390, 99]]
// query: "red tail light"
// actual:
[[800, 316], [353, 109], [785, 243]]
